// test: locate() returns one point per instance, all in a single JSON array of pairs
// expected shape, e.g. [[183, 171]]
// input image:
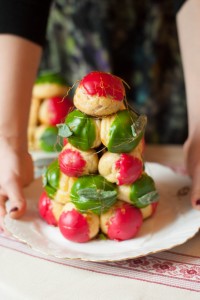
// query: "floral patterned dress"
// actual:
[[135, 40]]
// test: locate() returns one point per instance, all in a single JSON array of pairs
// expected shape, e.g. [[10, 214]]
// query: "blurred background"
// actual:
[[135, 40]]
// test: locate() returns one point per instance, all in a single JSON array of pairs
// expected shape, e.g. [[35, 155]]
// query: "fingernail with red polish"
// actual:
[[198, 202], [14, 209]]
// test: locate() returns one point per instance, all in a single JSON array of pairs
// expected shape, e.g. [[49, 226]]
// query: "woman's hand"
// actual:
[[188, 25], [16, 172], [192, 159], [19, 62]]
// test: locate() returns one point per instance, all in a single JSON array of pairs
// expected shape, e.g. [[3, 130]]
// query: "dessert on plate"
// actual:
[[98, 185], [49, 106]]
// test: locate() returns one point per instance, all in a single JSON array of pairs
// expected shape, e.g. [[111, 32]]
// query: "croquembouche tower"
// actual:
[[99, 184]]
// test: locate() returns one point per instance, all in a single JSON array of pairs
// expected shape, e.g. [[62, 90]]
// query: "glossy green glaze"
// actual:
[[121, 137], [83, 130], [49, 141], [50, 78], [143, 191], [51, 178], [93, 193]]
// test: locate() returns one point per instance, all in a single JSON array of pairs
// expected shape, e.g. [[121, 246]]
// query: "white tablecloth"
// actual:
[[26, 274]]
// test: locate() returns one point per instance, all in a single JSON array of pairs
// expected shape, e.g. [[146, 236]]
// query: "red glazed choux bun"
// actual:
[[100, 94], [78, 227], [49, 209], [124, 168], [121, 222], [74, 162]]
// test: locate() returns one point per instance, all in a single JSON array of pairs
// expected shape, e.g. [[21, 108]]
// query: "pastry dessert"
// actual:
[[46, 138], [49, 85], [53, 110], [149, 210], [140, 193], [49, 107], [56, 184], [120, 139], [49, 210], [99, 179], [75, 162], [121, 222], [84, 131], [93, 193], [78, 227], [124, 168], [99, 94]]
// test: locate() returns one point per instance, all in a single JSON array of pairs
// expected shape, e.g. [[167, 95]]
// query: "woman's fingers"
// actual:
[[3, 200], [2, 206], [192, 160], [13, 190], [195, 191], [16, 172]]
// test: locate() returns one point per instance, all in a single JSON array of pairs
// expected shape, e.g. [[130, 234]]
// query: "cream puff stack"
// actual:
[[99, 184]]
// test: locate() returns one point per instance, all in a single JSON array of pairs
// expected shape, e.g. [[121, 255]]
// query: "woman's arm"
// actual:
[[19, 62], [22, 36], [188, 22]]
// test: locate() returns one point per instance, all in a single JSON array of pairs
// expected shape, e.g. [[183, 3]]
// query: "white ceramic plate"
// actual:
[[173, 224]]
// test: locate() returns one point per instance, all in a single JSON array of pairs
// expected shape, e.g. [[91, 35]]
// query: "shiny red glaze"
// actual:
[[125, 223], [71, 163], [58, 108], [74, 226], [129, 169], [45, 209], [103, 85]]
